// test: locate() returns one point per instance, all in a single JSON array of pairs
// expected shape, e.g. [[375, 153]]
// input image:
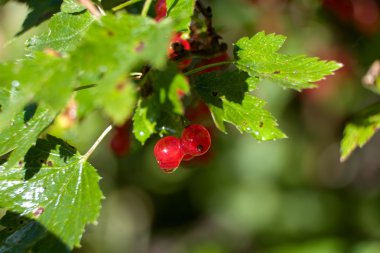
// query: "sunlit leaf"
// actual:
[[54, 186], [258, 56]]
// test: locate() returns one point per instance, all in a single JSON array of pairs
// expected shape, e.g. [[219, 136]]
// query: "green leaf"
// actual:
[[40, 11], [33, 80], [109, 51], [160, 112], [228, 100], [360, 130], [22, 234], [232, 85], [248, 116], [258, 56], [65, 32], [144, 121], [171, 86], [55, 187], [25, 129], [72, 6], [181, 12]]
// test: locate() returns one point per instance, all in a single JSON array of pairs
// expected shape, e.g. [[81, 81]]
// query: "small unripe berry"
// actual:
[[195, 140], [168, 153]]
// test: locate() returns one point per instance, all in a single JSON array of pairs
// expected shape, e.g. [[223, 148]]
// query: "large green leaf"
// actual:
[[248, 116], [36, 79], [65, 32], [55, 186], [360, 130], [109, 51], [21, 234], [226, 94], [39, 12], [258, 56], [181, 12], [25, 129]]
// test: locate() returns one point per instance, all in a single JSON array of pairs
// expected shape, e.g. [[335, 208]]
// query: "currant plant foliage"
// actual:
[[360, 129], [49, 190]]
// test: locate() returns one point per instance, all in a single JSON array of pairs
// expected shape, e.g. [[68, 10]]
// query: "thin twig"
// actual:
[[101, 137], [146, 7], [196, 70]]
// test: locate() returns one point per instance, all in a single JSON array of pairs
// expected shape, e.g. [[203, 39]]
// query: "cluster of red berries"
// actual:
[[170, 150]]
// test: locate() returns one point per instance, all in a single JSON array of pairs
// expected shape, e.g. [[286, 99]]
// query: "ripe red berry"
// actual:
[[195, 140], [168, 153], [160, 10], [120, 143], [187, 157], [177, 51], [215, 59]]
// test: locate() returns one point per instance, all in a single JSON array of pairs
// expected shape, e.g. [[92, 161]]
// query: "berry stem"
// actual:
[[97, 142], [123, 5], [196, 70], [146, 7]]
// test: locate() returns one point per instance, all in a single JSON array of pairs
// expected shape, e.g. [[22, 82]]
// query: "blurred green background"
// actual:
[[287, 196]]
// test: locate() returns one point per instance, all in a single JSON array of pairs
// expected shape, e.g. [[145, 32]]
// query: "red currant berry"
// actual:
[[120, 143], [187, 157], [160, 10], [168, 153], [215, 59], [178, 45], [195, 140]]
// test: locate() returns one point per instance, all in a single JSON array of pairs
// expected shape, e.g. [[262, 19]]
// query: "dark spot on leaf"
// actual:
[[200, 148], [37, 213], [120, 86], [42, 161], [277, 72], [49, 163], [214, 93], [1, 108], [140, 47], [110, 33], [261, 124], [20, 163], [21, 222], [10, 229]]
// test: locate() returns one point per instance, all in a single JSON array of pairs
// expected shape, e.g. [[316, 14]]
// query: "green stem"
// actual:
[[190, 72], [146, 7], [123, 5], [97, 142]]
